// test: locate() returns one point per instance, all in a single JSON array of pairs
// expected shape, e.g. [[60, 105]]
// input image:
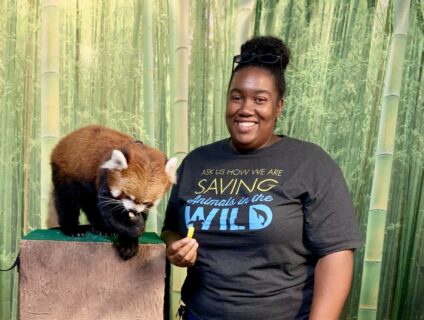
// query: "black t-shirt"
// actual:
[[262, 220]]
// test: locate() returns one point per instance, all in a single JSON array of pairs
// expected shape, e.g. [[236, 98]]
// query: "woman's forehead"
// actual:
[[253, 78]]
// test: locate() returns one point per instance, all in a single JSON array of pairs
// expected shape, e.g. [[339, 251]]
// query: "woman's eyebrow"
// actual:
[[259, 91]]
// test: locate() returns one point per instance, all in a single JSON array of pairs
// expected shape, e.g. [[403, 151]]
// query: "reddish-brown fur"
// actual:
[[145, 177]]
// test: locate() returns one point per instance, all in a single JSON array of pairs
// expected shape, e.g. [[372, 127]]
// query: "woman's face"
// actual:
[[253, 106]]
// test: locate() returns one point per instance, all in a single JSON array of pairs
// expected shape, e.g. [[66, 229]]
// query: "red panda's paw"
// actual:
[[78, 231], [102, 232], [127, 247]]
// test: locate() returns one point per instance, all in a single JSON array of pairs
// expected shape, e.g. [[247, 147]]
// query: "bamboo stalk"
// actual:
[[182, 48], [287, 16], [349, 33], [28, 122], [148, 72], [198, 69], [148, 92], [35, 180], [374, 53], [244, 23], [364, 170], [258, 15], [134, 54], [229, 52], [78, 27], [7, 205], [204, 112], [383, 165], [400, 296], [49, 94], [103, 91], [161, 74], [171, 69], [218, 108], [180, 120], [270, 16]]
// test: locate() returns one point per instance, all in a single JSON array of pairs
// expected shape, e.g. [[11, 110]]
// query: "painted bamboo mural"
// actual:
[[368, 304], [122, 61]]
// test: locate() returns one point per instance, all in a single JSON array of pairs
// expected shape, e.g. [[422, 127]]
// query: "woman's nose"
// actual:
[[246, 108]]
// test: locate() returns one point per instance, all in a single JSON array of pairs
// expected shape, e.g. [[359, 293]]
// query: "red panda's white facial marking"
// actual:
[[115, 193], [131, 206]]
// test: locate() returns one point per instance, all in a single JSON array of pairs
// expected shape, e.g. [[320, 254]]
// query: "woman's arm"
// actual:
[[333, 274]]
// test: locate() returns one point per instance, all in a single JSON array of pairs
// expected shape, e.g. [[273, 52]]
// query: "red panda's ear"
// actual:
[[116, 162], [171, 169]]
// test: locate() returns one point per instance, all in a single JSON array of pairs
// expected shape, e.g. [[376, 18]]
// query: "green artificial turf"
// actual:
[[55, 234]]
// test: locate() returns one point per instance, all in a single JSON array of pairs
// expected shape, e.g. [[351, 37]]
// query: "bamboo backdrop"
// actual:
[[108, 75]]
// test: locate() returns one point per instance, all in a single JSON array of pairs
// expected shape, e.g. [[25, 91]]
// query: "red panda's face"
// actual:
[[140, 178], [131, 204]]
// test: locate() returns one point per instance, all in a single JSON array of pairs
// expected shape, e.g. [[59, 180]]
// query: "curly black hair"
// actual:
[[267, 45]]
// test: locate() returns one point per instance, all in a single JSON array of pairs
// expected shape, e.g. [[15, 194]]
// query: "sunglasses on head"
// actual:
[[266, 58]]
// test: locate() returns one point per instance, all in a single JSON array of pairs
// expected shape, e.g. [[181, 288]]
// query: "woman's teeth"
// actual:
[[246, 124]]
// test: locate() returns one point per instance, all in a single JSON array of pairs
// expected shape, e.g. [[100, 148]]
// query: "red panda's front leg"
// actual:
[[127, 247]]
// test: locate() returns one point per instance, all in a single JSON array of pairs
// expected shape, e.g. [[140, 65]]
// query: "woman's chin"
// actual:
[[244, 143]]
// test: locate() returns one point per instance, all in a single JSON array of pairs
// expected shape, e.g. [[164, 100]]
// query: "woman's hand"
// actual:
[[182, 253]]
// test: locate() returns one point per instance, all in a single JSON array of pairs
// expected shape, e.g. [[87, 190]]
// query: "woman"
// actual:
[[274, 221]]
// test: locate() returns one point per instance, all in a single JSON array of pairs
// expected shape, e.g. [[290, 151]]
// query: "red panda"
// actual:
[[113, 178]]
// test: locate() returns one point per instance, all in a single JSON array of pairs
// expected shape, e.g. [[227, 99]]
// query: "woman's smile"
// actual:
[[245, 126]]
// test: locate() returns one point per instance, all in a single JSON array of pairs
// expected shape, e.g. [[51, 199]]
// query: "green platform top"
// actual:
[[55, 234]]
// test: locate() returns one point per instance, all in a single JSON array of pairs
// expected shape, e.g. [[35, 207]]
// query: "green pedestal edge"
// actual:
[[55, 234]]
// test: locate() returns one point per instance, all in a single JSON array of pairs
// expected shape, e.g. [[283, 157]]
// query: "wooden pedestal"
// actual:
[[83, 278]]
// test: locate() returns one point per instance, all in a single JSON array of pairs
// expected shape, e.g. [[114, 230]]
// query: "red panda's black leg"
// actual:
[[67, 202], [127, 247], [68, 214]]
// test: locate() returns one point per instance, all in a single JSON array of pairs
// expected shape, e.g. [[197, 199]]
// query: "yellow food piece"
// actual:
[[190, 232]]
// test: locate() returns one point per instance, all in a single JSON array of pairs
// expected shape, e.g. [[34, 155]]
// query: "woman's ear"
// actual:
[[280, 104]]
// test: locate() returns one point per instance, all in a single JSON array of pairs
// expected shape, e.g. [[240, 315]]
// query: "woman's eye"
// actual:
[[235, 98], [260, 100]]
